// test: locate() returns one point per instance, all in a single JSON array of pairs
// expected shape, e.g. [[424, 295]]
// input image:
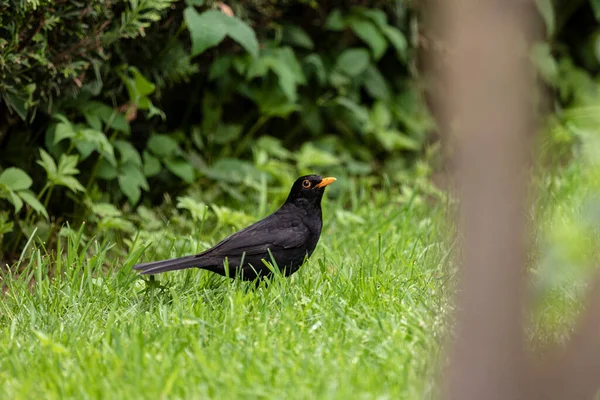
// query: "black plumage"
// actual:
[[290, 234]]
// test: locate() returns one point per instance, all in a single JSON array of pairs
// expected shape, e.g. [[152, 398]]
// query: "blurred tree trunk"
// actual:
[[485, 90]]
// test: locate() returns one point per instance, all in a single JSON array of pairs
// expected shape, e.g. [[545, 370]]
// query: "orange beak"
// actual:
[[326, 181]]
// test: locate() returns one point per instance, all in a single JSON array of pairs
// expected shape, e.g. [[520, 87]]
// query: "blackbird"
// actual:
[[290, 234]]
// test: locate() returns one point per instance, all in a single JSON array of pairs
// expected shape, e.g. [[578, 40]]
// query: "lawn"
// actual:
[[362, 319]]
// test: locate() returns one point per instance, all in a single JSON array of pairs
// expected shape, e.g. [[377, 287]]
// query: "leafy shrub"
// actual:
[[52, 48], [100, 88], [109, 107]]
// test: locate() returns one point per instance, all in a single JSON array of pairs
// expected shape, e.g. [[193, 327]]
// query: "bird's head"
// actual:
[[308, 190]]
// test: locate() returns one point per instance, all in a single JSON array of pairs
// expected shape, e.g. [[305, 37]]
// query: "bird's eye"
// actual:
[[306, 183]]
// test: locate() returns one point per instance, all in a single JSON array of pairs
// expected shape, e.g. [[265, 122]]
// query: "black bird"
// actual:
[[291, 234]]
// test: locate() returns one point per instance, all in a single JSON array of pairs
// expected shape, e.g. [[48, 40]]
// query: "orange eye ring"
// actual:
[[306, 184]]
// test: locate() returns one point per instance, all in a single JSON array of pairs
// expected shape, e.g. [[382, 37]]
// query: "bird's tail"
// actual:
[[156, 267]]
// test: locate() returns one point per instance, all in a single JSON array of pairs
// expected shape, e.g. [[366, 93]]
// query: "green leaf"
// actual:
[[197, 209], [297, 36], [376, 85], [353, 62], [60, 118], [285, 65], [398, 40], [15, 179], [241, 32], [71, 183], [281, 109], [16, 201], [92, 120], [16, 102], [314, 62], [47, 162], [128, 152], [273, 147], [181, 168], [142, 85], [155, 111], [63, 130], [62, 175], [271, 101], [149, 218], [258, 68], [335, 21], [135, 172], [116, 223], [311, 156], [162, 145], [359, 112], [32, 200], [131, 180], [381, 116], [106, 171], [118, 122], [232, 170], [210, 28], [105, 210], [546, 10], [288, 57], [96, 112], [226, 133], [85, 148], [95, 140], [368, 33], [67, 165], [138, 88], [393, 140], [337, 79], [206, 30], [151, 164], [373, 14]]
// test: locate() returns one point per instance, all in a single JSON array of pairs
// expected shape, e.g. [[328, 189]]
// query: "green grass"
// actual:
[[362, 319]]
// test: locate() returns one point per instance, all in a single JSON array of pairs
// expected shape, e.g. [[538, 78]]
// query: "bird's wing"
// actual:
[[263, 235]]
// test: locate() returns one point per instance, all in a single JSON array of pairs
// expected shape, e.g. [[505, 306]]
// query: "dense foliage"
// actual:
[[117, 103], [106, 106]]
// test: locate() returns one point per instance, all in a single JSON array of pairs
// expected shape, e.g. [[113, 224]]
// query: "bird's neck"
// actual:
[[305, 206]]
